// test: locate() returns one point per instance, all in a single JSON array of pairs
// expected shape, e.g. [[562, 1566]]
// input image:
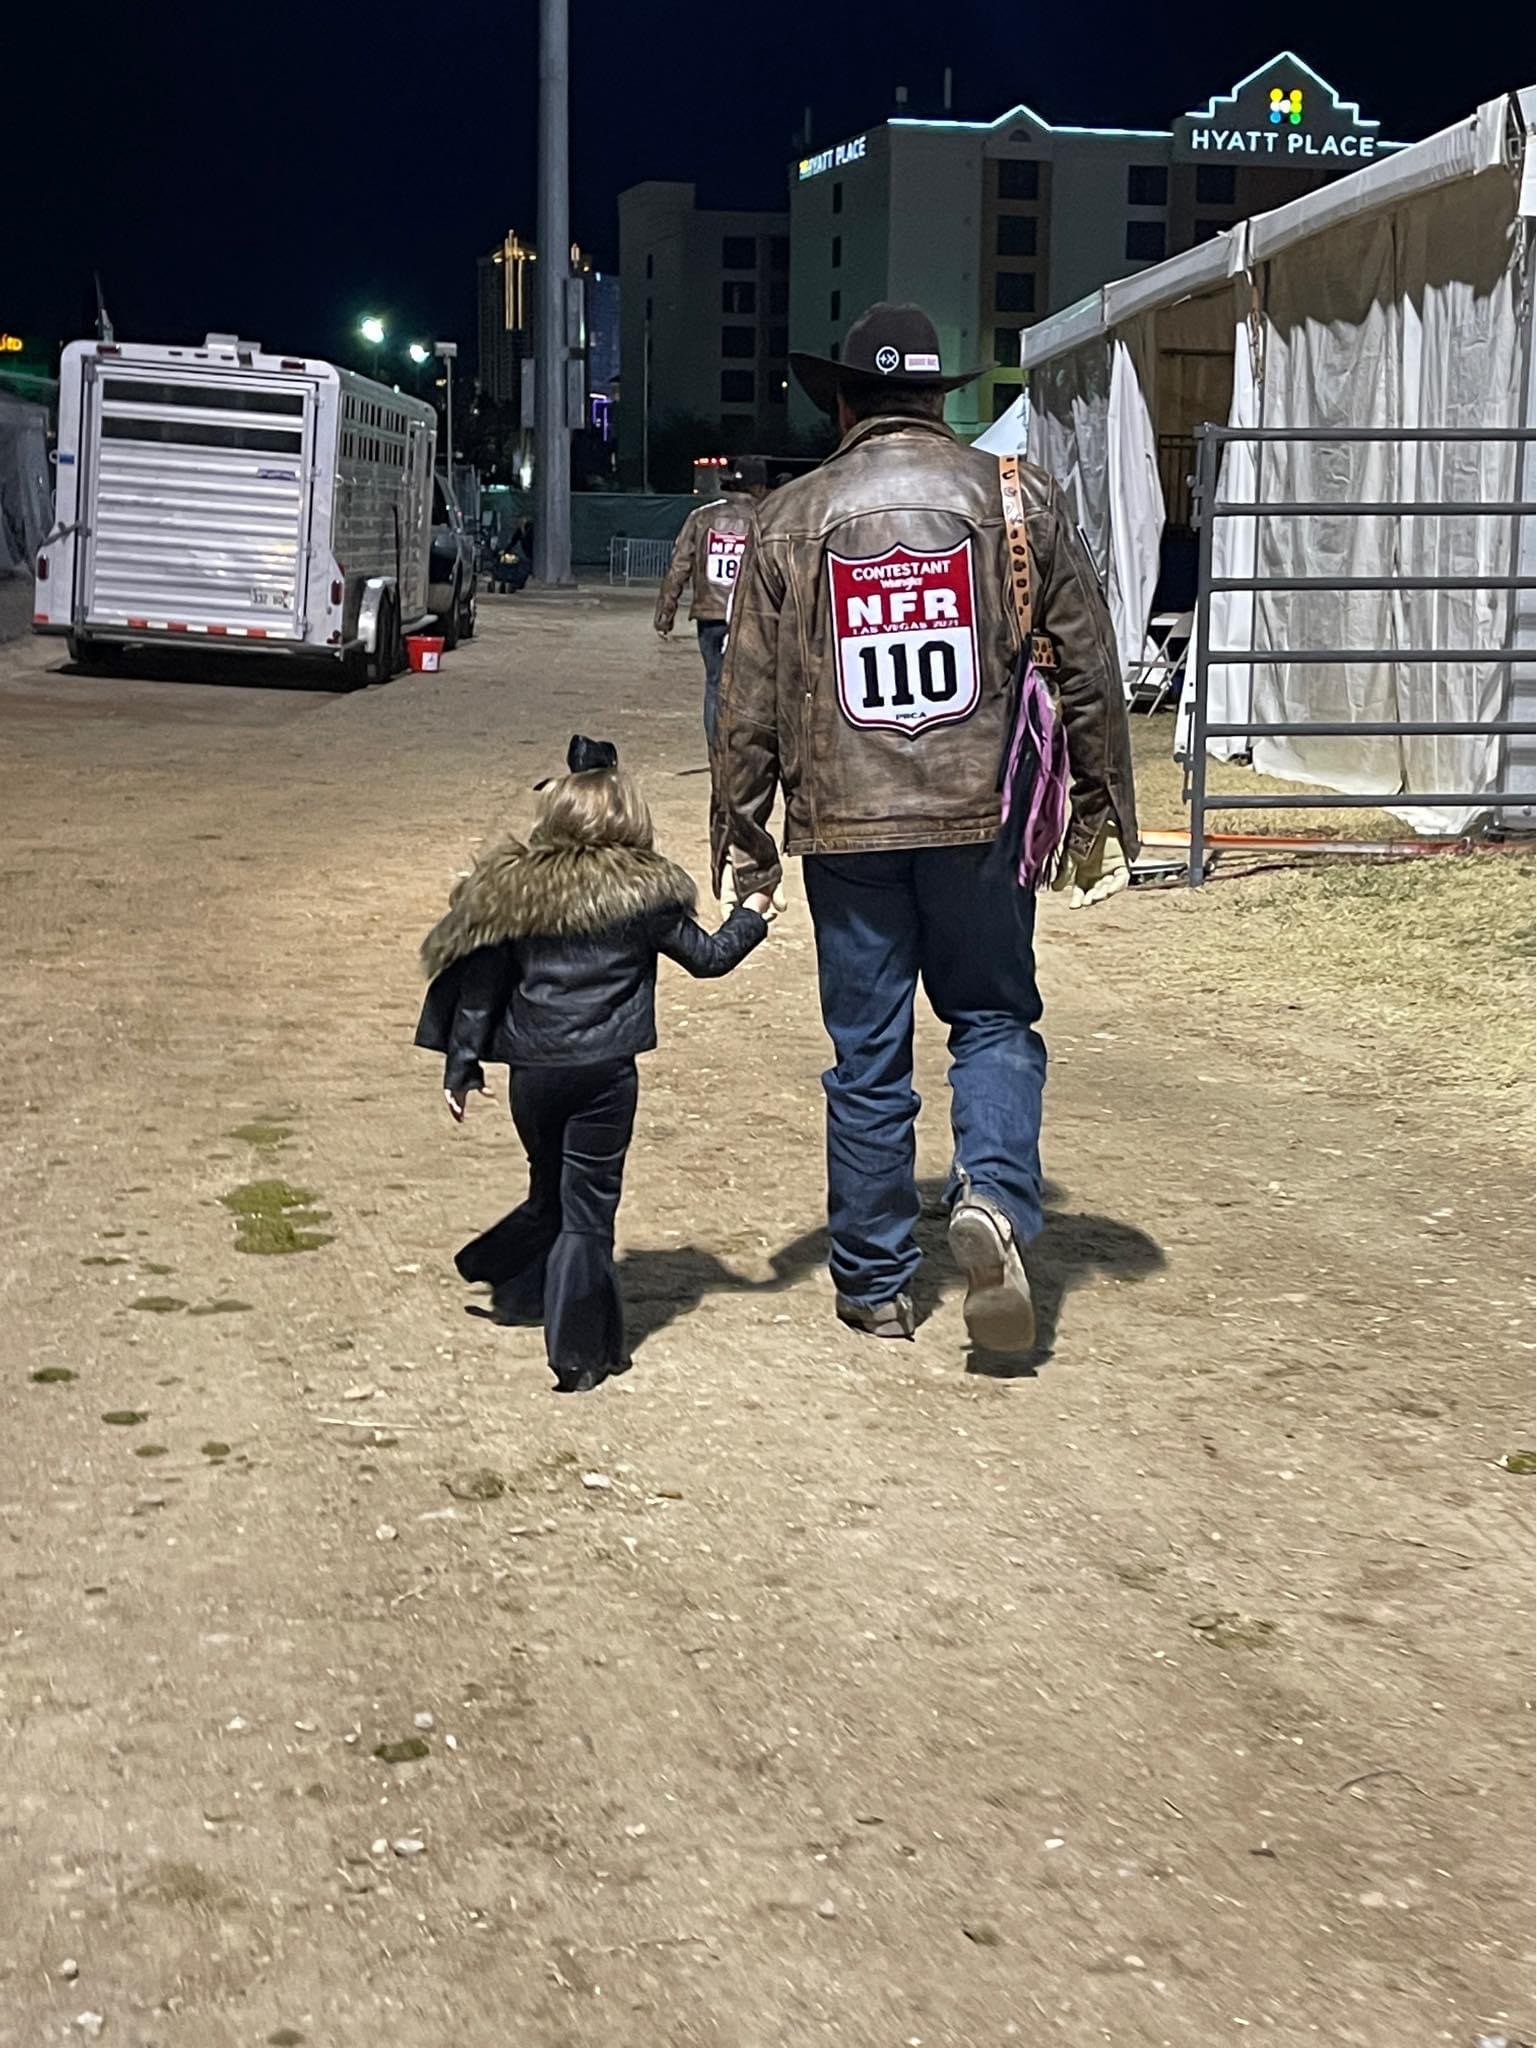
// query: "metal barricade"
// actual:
[[1210, 441], [637, 561]]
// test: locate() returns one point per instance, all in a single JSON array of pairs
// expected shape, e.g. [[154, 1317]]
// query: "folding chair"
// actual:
[[1160, 674]]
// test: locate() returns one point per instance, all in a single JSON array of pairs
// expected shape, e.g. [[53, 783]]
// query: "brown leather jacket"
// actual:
[[873, 651], [708, 550]]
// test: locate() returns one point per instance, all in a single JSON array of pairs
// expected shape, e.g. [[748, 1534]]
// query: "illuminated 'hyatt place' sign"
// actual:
[[833, 159], [1282, 113]]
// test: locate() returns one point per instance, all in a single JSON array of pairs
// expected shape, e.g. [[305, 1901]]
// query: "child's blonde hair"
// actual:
[[601, 808]]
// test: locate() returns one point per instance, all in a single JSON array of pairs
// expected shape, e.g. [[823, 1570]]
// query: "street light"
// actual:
[[448, 352], [419, 355], [372, 330]]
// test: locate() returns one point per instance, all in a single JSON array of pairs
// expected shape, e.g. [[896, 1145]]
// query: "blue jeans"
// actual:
[[883, 922], [712, 645]]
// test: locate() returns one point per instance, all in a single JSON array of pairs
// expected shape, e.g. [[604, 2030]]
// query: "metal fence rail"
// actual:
[[1209, 509], [637, 561]]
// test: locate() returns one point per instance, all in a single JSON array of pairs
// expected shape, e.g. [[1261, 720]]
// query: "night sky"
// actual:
[[281, 169]]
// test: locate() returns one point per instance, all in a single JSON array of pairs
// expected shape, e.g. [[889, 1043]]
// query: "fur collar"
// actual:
[[564, 892]]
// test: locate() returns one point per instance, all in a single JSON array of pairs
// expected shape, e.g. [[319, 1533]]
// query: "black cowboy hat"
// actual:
[[585, 757], [887, 345]]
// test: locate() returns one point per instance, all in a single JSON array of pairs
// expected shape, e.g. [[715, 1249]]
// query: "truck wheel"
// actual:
[[468, 621], [449, 623]]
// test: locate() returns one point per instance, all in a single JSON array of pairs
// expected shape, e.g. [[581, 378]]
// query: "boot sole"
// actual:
[[1000, 1316]]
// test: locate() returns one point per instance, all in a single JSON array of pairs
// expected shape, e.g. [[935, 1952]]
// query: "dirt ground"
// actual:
[[793, 1690]]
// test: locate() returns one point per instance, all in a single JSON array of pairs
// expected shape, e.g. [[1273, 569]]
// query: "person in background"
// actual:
[[882, 658], [707, 555], [546, 959]]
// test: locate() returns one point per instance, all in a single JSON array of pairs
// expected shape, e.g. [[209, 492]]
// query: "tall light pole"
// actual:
[[447, 352], [552, 443]]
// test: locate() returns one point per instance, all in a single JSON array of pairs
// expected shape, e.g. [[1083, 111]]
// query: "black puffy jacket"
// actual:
[[547, 957]]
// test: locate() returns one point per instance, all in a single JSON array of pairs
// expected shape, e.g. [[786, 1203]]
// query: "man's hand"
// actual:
[[1097, 875], [458, 1100], [730, 897]]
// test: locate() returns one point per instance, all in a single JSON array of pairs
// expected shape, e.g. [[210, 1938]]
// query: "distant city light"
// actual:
[[372, 330]]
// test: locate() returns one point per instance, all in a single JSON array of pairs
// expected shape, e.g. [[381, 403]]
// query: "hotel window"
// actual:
[[1019, 178], [1207, 230], [1006, 347], [737, 296], [1216, 185], [1004, 396], [838, 197], [837, 252], [739, 341], [779, 343], [1146, 241], [779, 296], [738, 387], [738, 252], [835, 306], [1016, 234], [1014, 291], [1147, 185], [779, 252], [651, 266]]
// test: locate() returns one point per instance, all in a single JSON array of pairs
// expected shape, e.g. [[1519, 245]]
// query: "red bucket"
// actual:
[[425, 653]]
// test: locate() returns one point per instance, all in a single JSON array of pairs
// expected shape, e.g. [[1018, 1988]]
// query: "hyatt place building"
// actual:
[[992, 224]]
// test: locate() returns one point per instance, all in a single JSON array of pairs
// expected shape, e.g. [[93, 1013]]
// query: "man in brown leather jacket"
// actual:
[[871, 675], [707, 554]]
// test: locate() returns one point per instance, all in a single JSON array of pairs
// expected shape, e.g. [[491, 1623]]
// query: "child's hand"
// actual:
[[767, 907]]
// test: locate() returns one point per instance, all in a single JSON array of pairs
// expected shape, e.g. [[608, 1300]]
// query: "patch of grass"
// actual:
[[158, 1304], [1428, 957], [265, 1134], [160, 1272], [53, 1376], [221, 1308], [107, 1259], [274, 1218], [216, 1451], [126, 1418]]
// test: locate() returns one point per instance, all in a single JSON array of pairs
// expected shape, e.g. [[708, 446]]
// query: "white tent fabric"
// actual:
[[1396, 297], [1009, 434], [1404, 318], [1069, 436], [1135, 491]]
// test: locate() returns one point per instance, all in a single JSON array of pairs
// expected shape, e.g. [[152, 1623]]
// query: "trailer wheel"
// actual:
[[449, 624], [386, 659], [467, 622], [89, 654]]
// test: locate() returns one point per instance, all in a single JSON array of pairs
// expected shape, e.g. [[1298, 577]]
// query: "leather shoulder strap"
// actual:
[[1019, 544]]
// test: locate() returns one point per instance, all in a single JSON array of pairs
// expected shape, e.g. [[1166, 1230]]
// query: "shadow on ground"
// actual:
[[662, 1285]]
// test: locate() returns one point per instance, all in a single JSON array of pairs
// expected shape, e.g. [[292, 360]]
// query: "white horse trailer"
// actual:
[[269, 502]]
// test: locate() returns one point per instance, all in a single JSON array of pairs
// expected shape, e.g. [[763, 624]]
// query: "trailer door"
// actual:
[[197, 483]]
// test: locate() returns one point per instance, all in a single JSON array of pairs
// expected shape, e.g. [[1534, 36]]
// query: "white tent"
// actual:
[[1397, 297]]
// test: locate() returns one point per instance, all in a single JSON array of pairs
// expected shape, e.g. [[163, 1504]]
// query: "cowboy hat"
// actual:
[[887, 345]]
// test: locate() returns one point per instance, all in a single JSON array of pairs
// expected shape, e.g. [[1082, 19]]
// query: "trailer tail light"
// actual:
[[108, 348], [294, 363], [338, 590]]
